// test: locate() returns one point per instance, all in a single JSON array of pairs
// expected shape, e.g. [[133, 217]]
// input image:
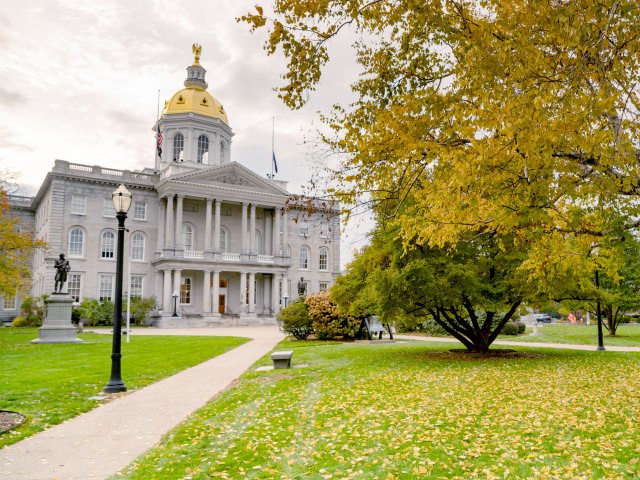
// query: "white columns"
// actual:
[[268, 233], [166, 292], [243, 233], [216, 292], [206, 292], [275, 293], [179, 222], [207, 224], [285, 230], [243, 292], [159, 288], [216, 228], [252, 230], [168, 239], [176, 286], [252, 292], [161, 234], [275, 243]]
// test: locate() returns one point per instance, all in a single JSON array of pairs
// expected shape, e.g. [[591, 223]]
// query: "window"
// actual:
[[324, 230], [323, 286], [137, 246], [203, 149], [185, 290], [76, 242], [78, 204], [74, 286], [304, 229], [105, 291], [137, 286], [224, 240], [139, 210], [323, 259], [178, 147], [108, 244], [187, 236], [304, 257], [259, 245], [107, 208], [10, 303]]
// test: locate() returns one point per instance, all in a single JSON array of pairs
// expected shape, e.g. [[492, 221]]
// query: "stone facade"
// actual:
[[232, 244]]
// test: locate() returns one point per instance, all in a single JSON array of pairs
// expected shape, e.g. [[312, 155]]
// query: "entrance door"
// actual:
[[221, 303]]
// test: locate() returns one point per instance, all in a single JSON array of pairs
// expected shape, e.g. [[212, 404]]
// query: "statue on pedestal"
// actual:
[[62, 267], [302, 287]]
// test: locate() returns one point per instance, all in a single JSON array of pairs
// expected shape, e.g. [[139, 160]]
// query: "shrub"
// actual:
[[32, 312], [521, 327], [294, 320], [140, 308], [327, 322], [20, 322], [510, 328], [95, 312]]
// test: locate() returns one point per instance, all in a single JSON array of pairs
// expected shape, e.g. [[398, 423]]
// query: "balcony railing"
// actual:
[[193, 254], [231, 257], [265, 259]]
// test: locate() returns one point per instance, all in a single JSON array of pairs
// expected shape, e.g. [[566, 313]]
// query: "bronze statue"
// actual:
[[62, 267], [302, 287]]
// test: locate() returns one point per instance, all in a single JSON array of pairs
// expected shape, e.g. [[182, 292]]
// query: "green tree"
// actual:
[[494, 117], [140, 308], [95, 312], [17, 246], [294, 320]]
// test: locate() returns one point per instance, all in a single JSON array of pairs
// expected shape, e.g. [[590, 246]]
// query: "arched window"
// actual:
[[76, 242], [304, 257], [203, 149], [187, 236], [222, 152], [107, 244], [178, 147], [224, 240], [137, 246], [323, 259], [259, 244]]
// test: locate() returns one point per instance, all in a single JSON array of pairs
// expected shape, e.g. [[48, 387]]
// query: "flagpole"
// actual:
[[157, 128], [273, 129]]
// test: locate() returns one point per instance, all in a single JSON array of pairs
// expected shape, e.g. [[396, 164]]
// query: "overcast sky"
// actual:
[[79, 82]]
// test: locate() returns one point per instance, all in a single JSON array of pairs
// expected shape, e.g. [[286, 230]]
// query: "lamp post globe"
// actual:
[[121, 202], [175, 296]]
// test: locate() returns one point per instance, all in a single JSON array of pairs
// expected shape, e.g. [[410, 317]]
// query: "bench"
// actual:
[[282, 359]]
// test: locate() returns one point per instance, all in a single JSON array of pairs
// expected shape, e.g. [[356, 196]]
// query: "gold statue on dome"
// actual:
[[197, 50]]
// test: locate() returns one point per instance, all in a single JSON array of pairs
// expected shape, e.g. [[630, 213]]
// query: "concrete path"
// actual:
[[565, 346], [101, 442]]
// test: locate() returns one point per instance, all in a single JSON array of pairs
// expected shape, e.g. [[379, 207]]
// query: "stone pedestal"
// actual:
[[57, 326]]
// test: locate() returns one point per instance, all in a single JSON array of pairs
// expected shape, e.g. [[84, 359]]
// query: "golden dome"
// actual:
[[195, 100]]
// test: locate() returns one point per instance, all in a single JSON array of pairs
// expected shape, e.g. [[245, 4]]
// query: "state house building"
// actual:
[[231, 243]]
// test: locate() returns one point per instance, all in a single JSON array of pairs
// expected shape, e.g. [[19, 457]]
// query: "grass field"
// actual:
[[627, 335], [410, 410], [51, 383]]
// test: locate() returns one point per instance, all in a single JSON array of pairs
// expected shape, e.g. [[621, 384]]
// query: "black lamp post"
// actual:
[[121, 202], [175, 303]]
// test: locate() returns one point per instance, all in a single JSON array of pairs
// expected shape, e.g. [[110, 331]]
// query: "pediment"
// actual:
[[230, 175]]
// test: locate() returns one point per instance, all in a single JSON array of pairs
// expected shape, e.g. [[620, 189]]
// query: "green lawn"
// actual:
[[412, 410], [627, 335], [51, 383]]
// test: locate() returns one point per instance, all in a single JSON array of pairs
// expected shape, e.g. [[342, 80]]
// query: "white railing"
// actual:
[[231, 257], [193, 254], [265, 259]]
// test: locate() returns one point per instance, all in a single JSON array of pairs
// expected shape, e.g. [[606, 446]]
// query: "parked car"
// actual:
[[542, 318]]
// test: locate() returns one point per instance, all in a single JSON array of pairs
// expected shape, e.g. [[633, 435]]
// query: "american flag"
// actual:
[[159, 139]]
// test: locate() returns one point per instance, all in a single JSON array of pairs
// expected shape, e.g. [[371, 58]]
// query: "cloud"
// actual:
[[8, 98]]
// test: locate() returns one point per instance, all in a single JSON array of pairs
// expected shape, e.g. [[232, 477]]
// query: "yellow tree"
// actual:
[[493, 116], [16, 247]]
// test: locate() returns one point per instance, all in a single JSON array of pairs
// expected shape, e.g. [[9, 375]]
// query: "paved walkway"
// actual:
[[565, 346], [101, 442]]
